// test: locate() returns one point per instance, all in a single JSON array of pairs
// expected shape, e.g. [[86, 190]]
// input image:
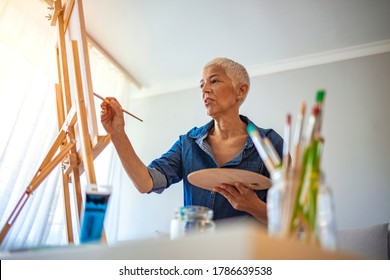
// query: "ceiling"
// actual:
[[163, 43]]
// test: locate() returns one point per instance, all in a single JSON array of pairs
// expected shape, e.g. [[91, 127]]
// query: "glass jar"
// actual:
[[190, 220], [275, 205], [326, 220], [280, 203]]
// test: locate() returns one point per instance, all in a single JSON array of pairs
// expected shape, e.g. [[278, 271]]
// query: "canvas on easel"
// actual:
[[77, 143]]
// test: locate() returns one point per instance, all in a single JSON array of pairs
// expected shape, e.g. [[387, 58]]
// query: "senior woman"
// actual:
[[221, 143]]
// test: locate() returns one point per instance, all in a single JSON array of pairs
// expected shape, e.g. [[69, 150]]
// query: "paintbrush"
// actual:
[[298, 136], [272, 152], [286, 145], [261, 149], [123, 110]]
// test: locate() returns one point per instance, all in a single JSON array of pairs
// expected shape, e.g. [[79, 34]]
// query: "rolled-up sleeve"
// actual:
[[167, 169], [159, 180]]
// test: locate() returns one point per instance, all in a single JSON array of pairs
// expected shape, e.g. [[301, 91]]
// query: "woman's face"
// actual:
[[219, 95]]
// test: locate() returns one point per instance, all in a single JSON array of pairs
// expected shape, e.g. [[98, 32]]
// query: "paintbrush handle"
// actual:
[[134, 116], [123, 110]]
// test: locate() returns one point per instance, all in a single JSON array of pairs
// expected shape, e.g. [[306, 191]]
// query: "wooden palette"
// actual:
[[212, 177]]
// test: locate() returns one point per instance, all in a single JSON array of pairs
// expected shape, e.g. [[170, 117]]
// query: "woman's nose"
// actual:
[[206, 87]]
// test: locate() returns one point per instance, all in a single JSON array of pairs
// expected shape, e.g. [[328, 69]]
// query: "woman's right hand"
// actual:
[[111, 116]]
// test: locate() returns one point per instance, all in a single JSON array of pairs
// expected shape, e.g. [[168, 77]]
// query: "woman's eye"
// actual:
[[201, 85], [214, 81]]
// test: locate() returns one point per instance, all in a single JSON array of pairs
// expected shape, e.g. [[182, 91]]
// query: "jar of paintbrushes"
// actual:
[[299, 203]]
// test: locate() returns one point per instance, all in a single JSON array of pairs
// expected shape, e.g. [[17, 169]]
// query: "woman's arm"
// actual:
[[113, 122]]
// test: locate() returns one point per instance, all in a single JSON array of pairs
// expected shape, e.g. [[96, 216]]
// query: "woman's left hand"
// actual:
[[239, 196], [244, 199]]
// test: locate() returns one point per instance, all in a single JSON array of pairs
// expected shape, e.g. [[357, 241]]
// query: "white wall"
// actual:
[[356, 130]]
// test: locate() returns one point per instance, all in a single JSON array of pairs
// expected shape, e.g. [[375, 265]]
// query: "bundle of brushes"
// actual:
[[297, 174], [306, 176]]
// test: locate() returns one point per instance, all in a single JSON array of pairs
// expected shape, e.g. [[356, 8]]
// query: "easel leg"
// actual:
[[43, 172], [68, 213]]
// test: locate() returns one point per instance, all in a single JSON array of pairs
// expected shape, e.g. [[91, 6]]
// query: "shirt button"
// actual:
[[212, 192]]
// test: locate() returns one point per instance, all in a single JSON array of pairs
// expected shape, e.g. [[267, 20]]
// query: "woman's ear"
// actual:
[[242, 92]]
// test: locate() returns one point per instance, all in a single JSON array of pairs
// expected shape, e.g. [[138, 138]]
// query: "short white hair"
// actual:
[[234, 70]]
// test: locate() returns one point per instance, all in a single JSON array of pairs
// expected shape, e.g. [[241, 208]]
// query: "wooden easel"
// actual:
[[77, 143]]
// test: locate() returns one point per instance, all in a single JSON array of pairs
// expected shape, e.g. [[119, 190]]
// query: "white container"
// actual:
[[326, 220], [275, 205]]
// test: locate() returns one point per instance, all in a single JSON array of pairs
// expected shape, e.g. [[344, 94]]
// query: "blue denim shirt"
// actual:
[[192, 153]]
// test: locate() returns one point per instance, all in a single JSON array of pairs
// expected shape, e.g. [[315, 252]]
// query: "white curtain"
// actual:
[[28, 118], [107, 80]]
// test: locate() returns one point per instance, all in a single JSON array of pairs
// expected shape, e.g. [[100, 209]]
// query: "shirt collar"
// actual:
[[199, 134]]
